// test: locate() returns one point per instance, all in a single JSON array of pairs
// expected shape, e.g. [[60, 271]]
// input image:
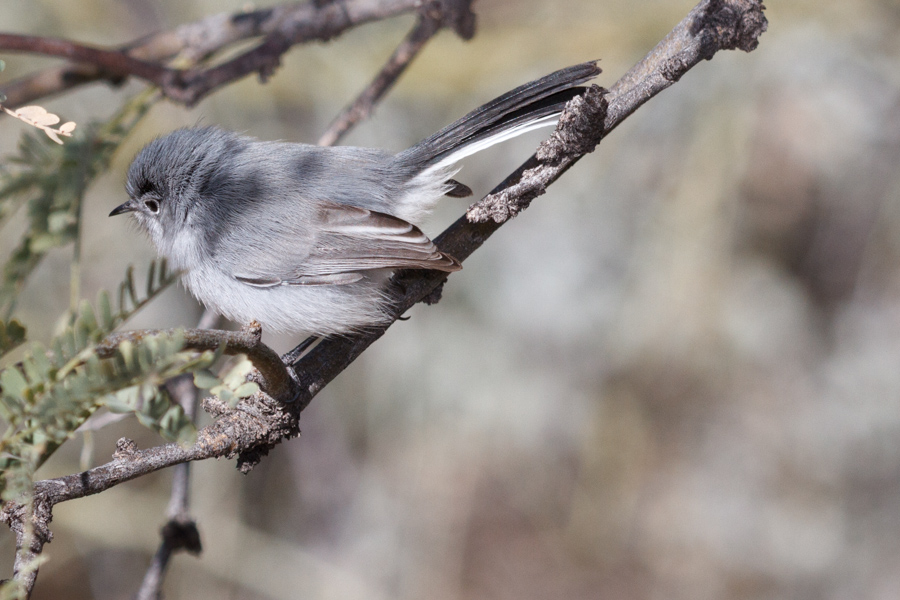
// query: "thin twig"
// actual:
[[180, 531], [362, 107], [277, 382], [30, 524], [183, 390]]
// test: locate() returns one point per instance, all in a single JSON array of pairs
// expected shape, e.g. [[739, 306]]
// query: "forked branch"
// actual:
[[280, 28]]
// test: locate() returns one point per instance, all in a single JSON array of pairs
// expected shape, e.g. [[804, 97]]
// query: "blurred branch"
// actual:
[[180, 531], [114, 62], [30, 524], [281, 27], [258, 423], [362, 107]]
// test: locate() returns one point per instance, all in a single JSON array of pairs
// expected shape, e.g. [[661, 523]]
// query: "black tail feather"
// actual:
[[540, 98]]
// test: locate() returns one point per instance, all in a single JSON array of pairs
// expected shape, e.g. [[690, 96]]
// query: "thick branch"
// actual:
[[113, 62], [258, 424]]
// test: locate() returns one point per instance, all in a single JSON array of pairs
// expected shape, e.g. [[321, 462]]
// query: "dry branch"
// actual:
[[276, 381], [280, 27], [711, 26]]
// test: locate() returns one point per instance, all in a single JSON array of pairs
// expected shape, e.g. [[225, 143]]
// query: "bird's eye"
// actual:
[[152, 205]]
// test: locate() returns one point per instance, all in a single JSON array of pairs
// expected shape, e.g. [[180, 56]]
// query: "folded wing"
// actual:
[[350, 241]]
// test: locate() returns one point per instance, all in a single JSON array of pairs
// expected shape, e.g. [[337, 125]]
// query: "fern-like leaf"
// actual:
[[52, 180], [12, 334]]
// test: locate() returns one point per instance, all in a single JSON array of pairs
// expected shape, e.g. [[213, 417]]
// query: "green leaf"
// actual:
[[12, 334], [59, 222], [123, 401], [150, 277], [107, 321], [87, 317], [126, 352], [224, 394], [67, 339], [205, 380], [13, 382], [238, 373], [247, 389], [175, 426]]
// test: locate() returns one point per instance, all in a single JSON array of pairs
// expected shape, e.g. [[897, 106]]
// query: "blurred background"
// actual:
[[676, 376]]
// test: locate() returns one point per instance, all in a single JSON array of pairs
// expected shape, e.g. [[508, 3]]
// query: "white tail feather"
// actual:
[[500, 136], [429, 186]]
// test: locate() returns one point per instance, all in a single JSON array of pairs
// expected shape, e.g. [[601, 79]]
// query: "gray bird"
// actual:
[[304, 238]]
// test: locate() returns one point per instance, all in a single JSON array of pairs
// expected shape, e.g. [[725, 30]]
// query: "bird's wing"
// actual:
[[348, 242]]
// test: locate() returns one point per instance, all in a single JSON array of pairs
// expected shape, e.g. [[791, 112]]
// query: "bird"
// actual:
[[304, 238]]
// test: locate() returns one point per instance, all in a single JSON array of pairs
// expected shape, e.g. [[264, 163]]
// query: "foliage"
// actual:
[[230, 387], [51, 392], [52, 181]]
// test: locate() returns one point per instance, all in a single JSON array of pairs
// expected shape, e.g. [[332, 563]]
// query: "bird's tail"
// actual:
[[535, 104]]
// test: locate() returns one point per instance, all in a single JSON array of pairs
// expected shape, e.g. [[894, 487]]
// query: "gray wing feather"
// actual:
[[350, 241]]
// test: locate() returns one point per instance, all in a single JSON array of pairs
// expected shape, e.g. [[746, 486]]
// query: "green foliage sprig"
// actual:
[[46, 396], [52, 181], [51, 392]]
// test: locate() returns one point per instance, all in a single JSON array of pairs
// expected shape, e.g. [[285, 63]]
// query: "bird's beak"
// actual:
[[129, 206]]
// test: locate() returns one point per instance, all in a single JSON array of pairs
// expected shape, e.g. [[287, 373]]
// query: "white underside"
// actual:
[[318, 309]]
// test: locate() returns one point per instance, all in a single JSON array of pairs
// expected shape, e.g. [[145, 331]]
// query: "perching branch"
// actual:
[[281, 28], [258, 423]]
